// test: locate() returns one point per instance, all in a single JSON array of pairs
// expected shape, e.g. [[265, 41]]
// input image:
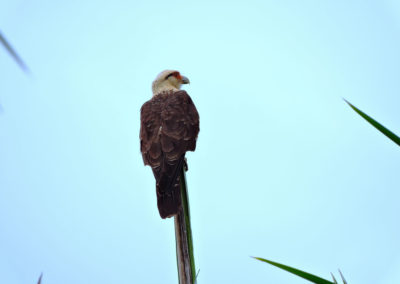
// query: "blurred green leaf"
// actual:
[[305, 275], [341, 275], [334, 279], [13, 53], [376, 124]]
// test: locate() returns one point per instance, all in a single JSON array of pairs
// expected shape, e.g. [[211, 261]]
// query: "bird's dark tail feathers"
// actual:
[[168, 187]]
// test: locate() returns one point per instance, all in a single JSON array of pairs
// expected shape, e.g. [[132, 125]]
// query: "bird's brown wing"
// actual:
[[150, 123], [169, 128], [180, 125]]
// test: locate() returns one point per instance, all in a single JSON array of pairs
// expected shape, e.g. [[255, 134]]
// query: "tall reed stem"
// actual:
[[184, 241]]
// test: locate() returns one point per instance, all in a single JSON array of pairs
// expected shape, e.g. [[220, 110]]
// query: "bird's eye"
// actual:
[[169, 75], [175, 74]]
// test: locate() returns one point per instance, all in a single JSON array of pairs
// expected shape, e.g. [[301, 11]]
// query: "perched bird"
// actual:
[[169, 125]]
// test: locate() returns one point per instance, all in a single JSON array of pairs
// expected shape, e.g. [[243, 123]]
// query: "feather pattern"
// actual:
[[169, 128]]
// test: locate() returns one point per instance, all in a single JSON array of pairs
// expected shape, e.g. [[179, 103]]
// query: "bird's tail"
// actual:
[[168, 187]]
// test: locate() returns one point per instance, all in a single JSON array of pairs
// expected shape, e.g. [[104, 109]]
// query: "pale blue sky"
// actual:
[[284, 169]]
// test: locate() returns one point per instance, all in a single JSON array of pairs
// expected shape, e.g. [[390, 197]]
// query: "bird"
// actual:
[[169, 127]]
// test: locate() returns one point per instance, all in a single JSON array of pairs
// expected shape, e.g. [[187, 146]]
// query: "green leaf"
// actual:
[[305, 275], [341, 275], [13, 53], [377, 125]]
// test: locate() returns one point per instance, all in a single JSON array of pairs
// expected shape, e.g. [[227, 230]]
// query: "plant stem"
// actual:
[[183, 236], [13, 53]]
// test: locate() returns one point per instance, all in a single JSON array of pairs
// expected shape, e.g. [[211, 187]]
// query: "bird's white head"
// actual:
[[168, 80]]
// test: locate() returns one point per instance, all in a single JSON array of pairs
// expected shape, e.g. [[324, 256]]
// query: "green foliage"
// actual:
[[13, 53], [377, 125], [306, 275], [303, 274], [341, 275]]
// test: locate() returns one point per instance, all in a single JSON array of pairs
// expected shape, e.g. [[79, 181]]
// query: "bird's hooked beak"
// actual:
[[184, 80]]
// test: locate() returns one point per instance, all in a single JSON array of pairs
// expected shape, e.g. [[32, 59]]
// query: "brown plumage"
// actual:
[[169, 128]]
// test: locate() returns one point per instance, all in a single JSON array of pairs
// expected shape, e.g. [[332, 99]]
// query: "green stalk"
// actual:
[[389, 134], [184, 241], [13, 53], [295, 271]]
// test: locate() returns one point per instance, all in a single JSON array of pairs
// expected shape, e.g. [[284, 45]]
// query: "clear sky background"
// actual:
[[284, 169]]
